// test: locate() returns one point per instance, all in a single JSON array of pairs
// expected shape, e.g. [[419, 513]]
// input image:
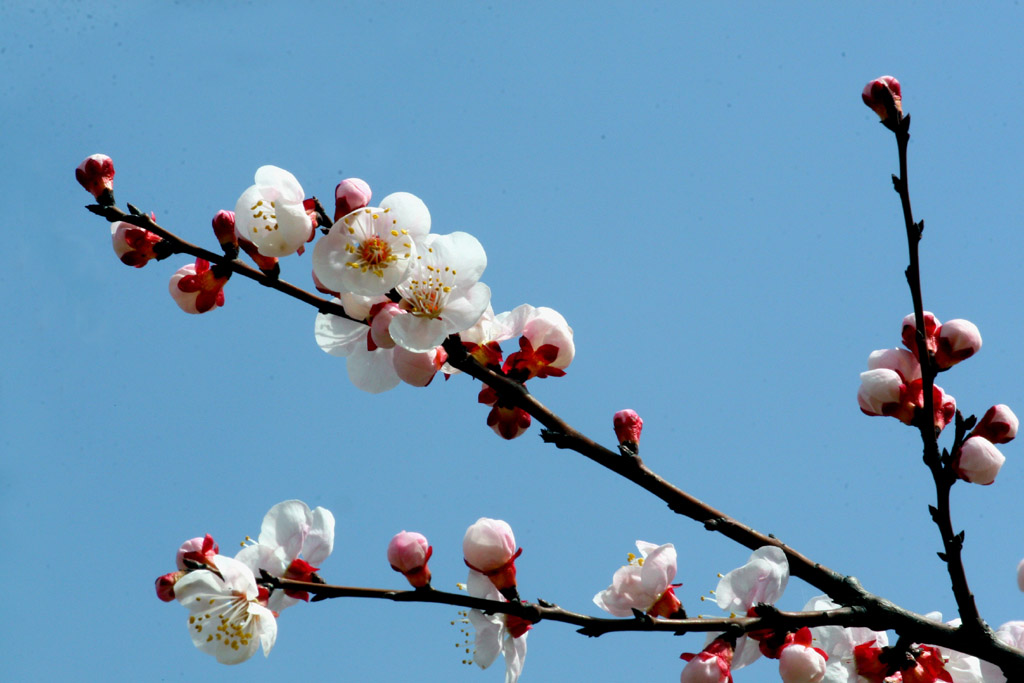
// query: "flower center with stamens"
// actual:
[[428, 288], [374, 251], [263, 216]]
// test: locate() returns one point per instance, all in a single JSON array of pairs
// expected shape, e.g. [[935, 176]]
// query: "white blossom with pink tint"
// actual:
[[762, 579], [958, 340], [882, 392], [979, 461], [418, 369], [496, 632], [442, 292], [370, 367], [642, 583], [546, 344], [998, 425], [370, 250], [1012, 634], [902, 361], [270, 213], [290, 530], [133, 245], [226, 619]]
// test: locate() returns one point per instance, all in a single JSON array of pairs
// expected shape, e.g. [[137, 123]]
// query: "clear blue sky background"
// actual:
[[697, 188]]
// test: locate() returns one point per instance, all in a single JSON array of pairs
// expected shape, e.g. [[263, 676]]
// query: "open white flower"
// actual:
[[442, 292], [370, 250], [838, 642], [494, 632], [370, 367], [270, 213], [643, 584], [290, 529], [226, 619]]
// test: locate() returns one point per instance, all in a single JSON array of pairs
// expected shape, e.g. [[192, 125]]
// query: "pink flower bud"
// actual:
[[978, 461], [882, 392], [198, 550], [196, 289], [165, 585], [801, 663], [958, 340], [408, 553], [882, 93], [96, 175], [489, 547], [349, 195], [628, 425], [945, 407], [224, 229], [1020, 575], [133, 245], [931, 331], [710, 665], [418, 369], [999, 425]]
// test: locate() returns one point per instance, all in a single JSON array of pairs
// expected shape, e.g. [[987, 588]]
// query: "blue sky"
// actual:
[[697, 188]]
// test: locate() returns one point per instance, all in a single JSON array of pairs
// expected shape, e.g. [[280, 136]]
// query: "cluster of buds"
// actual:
[[892, 386]]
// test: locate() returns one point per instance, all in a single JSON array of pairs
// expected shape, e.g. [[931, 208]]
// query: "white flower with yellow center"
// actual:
[[442, 292], [226, 619], [370, 250], [270, 213]]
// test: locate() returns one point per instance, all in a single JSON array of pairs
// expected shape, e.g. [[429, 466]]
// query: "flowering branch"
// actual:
[[939, 465]]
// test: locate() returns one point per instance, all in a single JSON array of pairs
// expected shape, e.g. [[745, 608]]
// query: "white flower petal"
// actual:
[[339, 336], [416, 333], [372, 371], [286, 525], [410, 212], [464, 310], [276, 183], [320, 542]]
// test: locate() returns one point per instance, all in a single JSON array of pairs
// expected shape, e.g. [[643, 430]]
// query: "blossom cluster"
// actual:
[[893, 386], [230, 615]]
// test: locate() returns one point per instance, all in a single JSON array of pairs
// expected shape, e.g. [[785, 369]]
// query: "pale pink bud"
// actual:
[[489, 547], [958, 340], [999, 425], [96, 175], [978, 461], [901, 361], [546, 343], [931, 332], [134, 246], [383, 314], [801, 663], [710, 665], [408, 553], [349, 195], [1020, 575], [880, 393], [198, 550], [418, 369], [224, 229], [879, 92], [945, 407], [196, 289], [165, 585], [628, 425]]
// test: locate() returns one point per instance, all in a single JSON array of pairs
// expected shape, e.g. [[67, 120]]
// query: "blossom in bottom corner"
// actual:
[[496, 632], [226, 619], [711, 665]]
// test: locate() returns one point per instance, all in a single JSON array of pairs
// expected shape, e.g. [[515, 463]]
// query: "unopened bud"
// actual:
[[96, 175], [408, 553], [165, 585], [931, 331], [958, 340], [196, 288], [978, 461], [197, 551], [133, 245], [883, 96], [418, 369], [999, 425], [628, 424], [349, 195], [224, 229], [489, 547]]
